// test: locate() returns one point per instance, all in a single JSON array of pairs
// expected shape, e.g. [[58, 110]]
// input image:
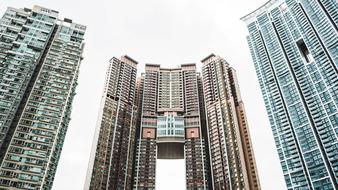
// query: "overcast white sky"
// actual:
[[168, 32]]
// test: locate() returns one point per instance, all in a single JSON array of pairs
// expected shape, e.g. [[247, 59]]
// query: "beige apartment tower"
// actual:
[[172, 113], [231, 155], [170, 125]]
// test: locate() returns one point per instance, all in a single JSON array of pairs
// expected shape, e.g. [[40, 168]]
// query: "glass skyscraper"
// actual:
[[294, 47], [40, 56]]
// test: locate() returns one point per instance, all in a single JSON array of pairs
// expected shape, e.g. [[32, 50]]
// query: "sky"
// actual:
[[166, 32]]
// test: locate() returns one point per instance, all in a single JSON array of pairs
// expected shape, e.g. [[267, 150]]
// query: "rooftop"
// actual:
[[261, 9]]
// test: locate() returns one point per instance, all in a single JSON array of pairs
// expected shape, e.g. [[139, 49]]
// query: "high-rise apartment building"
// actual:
[[233, 164], [170, 126], [111, 161], [294, 46], [175, 114], [40, 56]]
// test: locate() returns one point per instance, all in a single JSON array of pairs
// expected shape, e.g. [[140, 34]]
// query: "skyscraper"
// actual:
[[40, 56], [170, 126], [232, 160], [294, 46], [111, 163], [174, 114]]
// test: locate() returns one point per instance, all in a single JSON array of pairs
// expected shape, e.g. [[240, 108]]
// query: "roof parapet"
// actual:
[[45, 11], [266, 6], [188, 66], [129, 58], [209, 58], [152, 67]]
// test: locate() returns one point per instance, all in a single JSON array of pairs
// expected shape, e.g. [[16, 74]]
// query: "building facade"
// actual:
[[170, 126], [111, 161], [175, 114], [232, 160], [40, 56], [294, 46]]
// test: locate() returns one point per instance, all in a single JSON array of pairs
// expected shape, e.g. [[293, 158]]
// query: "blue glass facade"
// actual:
[[40, 57], [294, 46]]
